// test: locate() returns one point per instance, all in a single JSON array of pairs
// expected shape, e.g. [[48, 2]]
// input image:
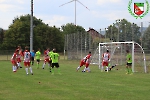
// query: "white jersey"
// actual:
[[106, 57], [27, 56]]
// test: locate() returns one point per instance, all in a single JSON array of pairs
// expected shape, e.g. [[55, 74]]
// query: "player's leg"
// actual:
[[127, 68], [81, 64], [52, 68], [14, 66], [50, 63], [58, 68], [102, 68], [86, 68], [18, 63], [44, 63], [26, 67], [30, 68], [32, 60], [130, 68], [107, 66], [38, 61]]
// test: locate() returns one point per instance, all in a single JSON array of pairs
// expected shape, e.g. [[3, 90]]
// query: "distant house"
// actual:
[[94, 33]]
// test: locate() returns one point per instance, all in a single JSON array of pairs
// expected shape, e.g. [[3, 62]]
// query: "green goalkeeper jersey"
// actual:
[[129, 58], [38, 54], [54, 57], [50, 53]]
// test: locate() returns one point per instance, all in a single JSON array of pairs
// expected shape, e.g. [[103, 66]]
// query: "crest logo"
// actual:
[[139, 11]]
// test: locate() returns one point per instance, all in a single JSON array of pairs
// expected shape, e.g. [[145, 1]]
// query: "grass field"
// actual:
[[72, 85]]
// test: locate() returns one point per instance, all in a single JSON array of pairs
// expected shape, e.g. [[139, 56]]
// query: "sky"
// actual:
[[96, 14]]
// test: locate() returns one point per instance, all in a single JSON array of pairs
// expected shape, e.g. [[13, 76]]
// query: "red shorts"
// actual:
[[46, 60], [18, 60], [82, 63], [87, 65], [26, 63], [104, 63], [13, 62]]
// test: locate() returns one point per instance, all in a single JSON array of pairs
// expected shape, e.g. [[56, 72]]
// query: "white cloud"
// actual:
[[100, 2], [20, 1], [6, 7], [1, 1], [56, 20]]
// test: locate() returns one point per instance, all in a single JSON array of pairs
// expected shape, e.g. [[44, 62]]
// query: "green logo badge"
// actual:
[[138, 9]]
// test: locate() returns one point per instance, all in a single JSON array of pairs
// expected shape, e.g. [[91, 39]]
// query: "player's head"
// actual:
[[89, 52], [26, 48], [127, 51], [48, 48], [19, 47], [54, 50], [17, 51], [38, 49], [107, 50]]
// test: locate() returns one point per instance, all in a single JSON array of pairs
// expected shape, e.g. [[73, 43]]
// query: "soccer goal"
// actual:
[[117, 52]]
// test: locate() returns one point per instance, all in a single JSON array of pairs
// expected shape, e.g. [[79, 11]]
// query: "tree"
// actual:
[[122, 30], [43, 35], [71, 28], [1, 35], [146, 38]]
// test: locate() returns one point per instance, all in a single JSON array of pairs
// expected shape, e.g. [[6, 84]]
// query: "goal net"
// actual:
[[117, 52]]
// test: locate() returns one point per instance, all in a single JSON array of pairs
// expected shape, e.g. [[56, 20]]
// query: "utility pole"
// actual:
[[31, 27]]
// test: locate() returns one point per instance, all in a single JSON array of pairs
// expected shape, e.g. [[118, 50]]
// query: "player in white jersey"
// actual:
[[105, 60], [27, 59]]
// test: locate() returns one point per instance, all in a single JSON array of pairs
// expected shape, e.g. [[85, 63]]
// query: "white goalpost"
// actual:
[[117, 52]]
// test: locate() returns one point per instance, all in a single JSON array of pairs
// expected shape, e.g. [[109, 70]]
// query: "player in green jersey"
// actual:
[[37, 56], [129, 62], [55, 59]]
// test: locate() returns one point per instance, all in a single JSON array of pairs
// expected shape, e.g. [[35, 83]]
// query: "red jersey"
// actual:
[[20, 54], [87, 58], [14, 56], [27, 56], [46, 52]]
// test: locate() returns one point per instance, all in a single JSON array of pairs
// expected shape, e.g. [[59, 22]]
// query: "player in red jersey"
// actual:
[[105, 60], [27, 59], [20, 54], [85, 61], [14, 60], [46, 58]]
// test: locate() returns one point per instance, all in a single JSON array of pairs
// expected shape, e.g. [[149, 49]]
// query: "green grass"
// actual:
[[72, 85]]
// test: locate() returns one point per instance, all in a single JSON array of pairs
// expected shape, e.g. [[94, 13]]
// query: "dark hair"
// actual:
[[26, 48], [107, 50], [127, 51], [90, 52]]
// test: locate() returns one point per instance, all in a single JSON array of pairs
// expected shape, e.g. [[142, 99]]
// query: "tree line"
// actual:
[[45, 36]]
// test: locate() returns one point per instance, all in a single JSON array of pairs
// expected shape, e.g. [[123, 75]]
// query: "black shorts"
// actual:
[[38, 60], [55, 64], [129, 64]]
